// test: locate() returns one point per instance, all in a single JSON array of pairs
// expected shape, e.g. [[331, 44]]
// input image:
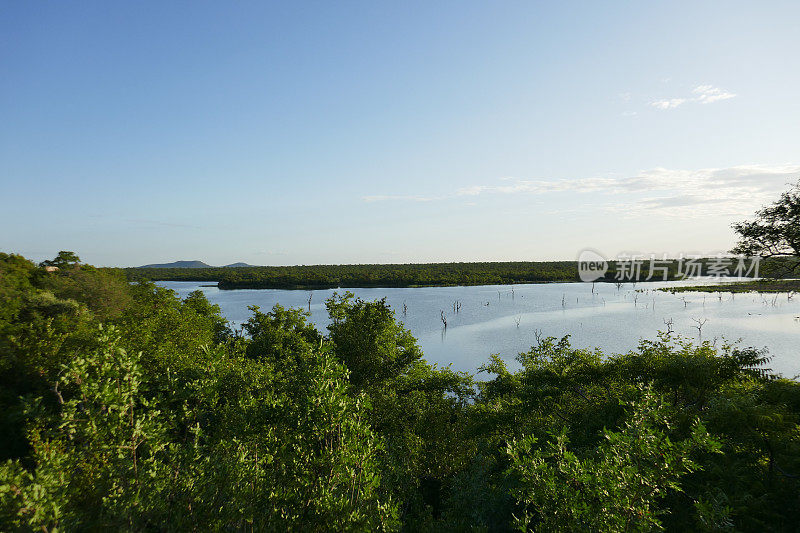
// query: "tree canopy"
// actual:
[[124, 407], [62, 260], [775, 230]]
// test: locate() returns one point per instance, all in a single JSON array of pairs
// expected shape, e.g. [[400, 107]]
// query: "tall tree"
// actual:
[[63, 259], [775, 230]]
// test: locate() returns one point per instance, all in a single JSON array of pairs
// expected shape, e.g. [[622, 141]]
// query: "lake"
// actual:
[[504, 319]]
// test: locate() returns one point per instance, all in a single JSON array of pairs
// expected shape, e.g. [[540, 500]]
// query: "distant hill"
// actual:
[[179, 264], [193, 264]]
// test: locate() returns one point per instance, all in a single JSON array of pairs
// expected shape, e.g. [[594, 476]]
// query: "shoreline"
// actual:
[[772, 286]]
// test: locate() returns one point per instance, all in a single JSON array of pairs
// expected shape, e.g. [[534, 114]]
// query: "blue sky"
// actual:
[[322, 132]]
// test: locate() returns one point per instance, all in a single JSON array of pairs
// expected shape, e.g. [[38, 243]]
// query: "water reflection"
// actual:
[[505, 320]]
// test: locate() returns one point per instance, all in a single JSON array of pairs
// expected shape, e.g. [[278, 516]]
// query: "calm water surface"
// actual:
[[612, 319]]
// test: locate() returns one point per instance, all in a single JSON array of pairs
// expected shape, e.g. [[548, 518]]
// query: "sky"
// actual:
[[391, 132]]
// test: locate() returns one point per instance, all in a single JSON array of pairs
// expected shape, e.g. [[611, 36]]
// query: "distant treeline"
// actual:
[[762, 285], [416, 275], [395, 275], [391, 275]]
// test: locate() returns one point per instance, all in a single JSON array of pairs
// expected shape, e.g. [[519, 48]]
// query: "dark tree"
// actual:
[[63, 259], [775, 231]]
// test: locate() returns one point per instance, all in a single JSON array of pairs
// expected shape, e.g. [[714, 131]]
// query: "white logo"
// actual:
[[591, 265]]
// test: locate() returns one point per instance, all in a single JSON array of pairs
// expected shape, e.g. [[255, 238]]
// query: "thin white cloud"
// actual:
[[707, 94], [704, 94], [727, 191], [734, 190], [672, 103], [516, 185]]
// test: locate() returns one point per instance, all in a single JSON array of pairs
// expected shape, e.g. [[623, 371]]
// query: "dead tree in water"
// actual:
[[669, 323], [700, 323], [405, 309], [444, 320], [310, 295]]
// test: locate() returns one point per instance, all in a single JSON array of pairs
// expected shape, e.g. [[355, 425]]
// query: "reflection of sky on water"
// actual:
[[612, 319]]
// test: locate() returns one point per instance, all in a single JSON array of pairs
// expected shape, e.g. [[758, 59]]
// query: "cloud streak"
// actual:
[[707, 94], [734, 190], [668, 104], [731, 191], [703, 94]]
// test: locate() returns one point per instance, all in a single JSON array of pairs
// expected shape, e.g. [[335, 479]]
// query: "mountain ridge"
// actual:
[[193, 264]]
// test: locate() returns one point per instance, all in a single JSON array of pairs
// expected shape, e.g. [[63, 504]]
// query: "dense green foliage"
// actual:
[[126, 408], [407, 275], [332, 276], [417, 275]]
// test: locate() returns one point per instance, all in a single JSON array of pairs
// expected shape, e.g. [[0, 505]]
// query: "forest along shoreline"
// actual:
[[310, 277]]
